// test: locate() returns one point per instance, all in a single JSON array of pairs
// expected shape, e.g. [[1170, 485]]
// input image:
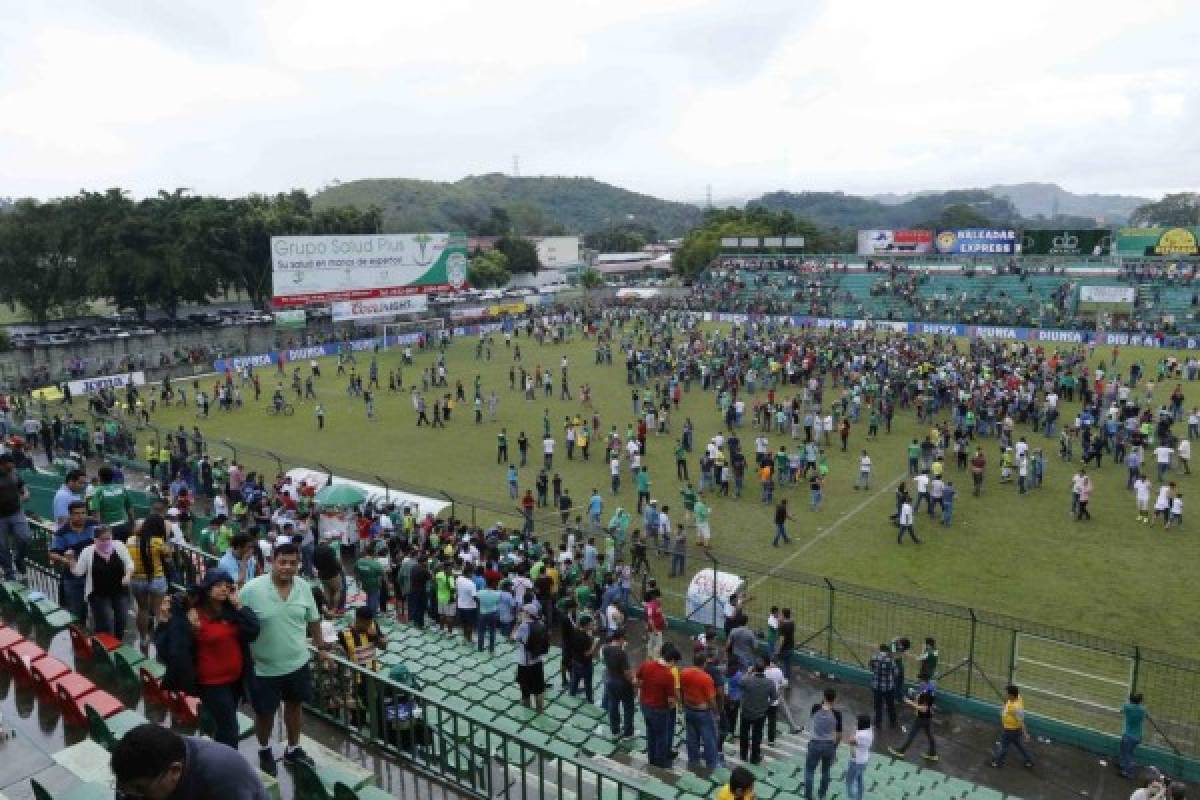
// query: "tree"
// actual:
[[521, 254], [1174, 210], [488, 268], [38, 269], [590, 279], [960, 215]]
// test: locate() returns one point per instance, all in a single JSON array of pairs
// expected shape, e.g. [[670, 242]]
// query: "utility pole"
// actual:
[[708, 196], [516, 166]]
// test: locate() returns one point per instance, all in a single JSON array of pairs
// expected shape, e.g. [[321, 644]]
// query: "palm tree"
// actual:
[[590, 279]]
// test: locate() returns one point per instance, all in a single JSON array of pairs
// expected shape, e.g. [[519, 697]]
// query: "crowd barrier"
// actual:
[[999, 332]]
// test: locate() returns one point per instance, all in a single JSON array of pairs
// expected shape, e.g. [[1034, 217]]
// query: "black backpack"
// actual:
[[537, 642]]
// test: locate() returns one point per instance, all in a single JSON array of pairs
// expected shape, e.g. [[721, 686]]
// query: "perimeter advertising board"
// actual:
[[1072, 242], [324, 269], [885, 241], [1158, 241], [344, 310], [978, 241]]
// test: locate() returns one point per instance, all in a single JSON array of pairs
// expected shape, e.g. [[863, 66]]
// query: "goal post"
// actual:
[[413, 332]]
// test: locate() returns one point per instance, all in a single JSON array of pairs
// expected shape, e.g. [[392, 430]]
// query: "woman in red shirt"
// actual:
[[204, 645]]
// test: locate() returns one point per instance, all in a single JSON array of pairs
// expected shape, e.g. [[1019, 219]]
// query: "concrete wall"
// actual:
[[186, 352]]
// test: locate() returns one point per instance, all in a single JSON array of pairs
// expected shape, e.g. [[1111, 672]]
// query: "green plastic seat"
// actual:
[[107, 732], [80, 791]]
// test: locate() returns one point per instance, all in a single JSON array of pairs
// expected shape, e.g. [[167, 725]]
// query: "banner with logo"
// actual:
[[1071, 242], [93, 385], [1122, 295], [885, 241], [322, 269], [383, 307], [978, 241], [500, 309], [1158, 241]]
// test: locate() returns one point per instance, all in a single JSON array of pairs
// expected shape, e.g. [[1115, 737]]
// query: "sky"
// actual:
[[665, 97]]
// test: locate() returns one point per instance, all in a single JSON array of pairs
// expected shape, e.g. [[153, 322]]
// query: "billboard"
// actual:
[[1158, 241], [344, 310], [1072, 242], [883, 241], [1113, 295], [729, 241], [322, 269], [749, 241], [978, 241], [93, 385], [793, 241], [772, 241]]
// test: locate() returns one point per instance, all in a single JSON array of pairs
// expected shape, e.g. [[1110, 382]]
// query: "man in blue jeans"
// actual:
[[822, 748], [14, 528], [73, 537], [618, 686], [781, 518], [656, 680], [1135, 715], [700, 712]]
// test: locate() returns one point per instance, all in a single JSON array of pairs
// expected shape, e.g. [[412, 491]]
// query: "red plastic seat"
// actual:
[[21, 657], [45, 670], [152, 689], [101, 701], [9, 637], [109, 641], [81, 642], [69, 687], [185, 708]]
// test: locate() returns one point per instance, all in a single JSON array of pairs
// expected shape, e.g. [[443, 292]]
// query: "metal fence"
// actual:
[[1064, 675]]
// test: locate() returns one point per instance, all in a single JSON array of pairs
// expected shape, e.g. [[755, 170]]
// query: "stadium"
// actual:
[[509, 487]]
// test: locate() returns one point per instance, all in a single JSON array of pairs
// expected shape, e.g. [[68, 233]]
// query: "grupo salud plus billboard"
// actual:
[[978, 241], [324, 269]]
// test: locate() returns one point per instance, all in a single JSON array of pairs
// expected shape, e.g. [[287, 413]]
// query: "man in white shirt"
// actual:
[[1141, 490], [1162, 455], [774, 674], [864, 472], [906, 523], [468, 611], [1184, 450], [922, 484], [548, 452]]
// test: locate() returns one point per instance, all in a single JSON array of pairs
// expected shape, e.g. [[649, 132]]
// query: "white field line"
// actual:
[[799, 551]]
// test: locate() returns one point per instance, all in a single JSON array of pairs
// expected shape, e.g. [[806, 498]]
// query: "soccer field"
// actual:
[[1023, 556]]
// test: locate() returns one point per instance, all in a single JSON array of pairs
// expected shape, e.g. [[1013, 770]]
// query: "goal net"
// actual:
[[416, 333]]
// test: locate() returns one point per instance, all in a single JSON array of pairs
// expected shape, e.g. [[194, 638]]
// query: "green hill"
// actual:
[[835, 209], [535, 205]]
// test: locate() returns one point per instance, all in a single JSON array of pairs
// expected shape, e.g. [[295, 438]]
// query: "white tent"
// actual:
[[376, 495], [641, 294], [708, 593]]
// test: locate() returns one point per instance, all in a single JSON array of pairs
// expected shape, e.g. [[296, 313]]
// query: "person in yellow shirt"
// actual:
[[148, 549], [1014, 733], [740, 786]]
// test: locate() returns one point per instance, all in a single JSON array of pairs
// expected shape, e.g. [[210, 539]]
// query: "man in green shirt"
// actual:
[[643, 487], [110, 504], [1134, 714], [689, 501], [287, 615], [703, 532], [681, 467], [369, 572]]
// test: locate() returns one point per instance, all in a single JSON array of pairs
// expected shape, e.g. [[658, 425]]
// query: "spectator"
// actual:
[[1013, 731], [883, 684], [740, 786], [155, 763], [72, 537], [107, 569], [204, 644], [822, 747], [14, 528], [758, 693], [288, 614], [1134, 714]]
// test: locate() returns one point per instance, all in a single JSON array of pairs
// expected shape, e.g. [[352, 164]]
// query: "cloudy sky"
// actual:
[[661, 96]]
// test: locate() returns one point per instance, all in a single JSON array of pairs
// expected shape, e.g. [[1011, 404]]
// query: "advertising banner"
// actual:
[[884, 241], [793, 241], [1123, 295], [93, 385], [729, 241], [291, 319], [1073, 242], [323, 269], [749, 241], [501, 309], [383, 307], [978, 241], [1158, 241], [772, 241]]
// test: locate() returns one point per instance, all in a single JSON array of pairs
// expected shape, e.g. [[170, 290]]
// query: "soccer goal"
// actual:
[[412, 333]]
